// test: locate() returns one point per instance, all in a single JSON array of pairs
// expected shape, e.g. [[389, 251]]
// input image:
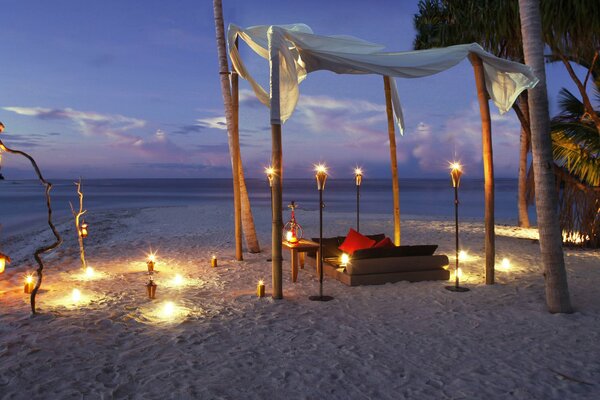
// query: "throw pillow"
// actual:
[[355, 241], [387, 242]]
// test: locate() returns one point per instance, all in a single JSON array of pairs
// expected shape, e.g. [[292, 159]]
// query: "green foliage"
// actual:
[[576, 140]]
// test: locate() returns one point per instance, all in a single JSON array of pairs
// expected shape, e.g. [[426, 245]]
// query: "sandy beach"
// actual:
[[402, 340]]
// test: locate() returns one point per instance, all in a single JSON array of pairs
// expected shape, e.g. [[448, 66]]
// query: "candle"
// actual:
[[4, 259], [89, 272], [505, 266], [151, 288], [76, 295], [344, 260], [151, 261], [29, 285], [178, 280], [84, 230], [260, 289], [289, 236], [213, 261]]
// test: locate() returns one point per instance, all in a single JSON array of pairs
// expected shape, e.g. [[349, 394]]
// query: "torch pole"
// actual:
[[357, 208], [456, 235]]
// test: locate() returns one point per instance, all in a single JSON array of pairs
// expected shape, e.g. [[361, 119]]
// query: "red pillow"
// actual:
[[387, 242], [355, 241]]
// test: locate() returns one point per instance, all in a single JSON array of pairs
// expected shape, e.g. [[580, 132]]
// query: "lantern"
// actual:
[[150, 262], [270, 171], [293, 230], [213, 261], [83, 229], [151, 288], [4, 259], [344, 260], [29, 285]]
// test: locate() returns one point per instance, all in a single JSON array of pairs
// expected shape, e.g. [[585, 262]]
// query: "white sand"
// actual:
[[403, 340]]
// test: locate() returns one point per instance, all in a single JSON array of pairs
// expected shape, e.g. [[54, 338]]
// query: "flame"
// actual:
[[89, 272], [76, 295], [321, 169], [270, 170], [455, 166], [358, 171]]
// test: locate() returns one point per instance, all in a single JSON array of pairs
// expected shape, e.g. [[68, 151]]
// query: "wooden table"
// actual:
[[297, 251]]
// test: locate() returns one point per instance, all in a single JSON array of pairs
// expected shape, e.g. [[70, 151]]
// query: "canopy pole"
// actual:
[[276, 162], [488, 167], [235, 164], [393, 158]]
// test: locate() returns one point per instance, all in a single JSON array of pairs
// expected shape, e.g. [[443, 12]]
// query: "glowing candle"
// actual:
[[344, 260], [151, 261], [213, 261], [289, 236], [168, 309], [89, 272], [4, 259], [260, 289], [76, 295], [178, 280], [463, 256], [505, 266], [29, 285]]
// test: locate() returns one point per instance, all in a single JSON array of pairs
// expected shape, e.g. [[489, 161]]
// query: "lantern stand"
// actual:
[[358, 181], [58, 239], [293, 231], [321, 177], [455, 173]]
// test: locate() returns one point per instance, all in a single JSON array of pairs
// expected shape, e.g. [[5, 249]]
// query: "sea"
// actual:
[[22, 202]]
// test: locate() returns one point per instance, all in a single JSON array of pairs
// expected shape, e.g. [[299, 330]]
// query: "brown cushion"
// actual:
[[396, 264], [396, 251]]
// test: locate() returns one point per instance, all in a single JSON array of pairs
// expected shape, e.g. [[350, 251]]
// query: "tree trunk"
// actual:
[[393, 158], [546, 196], [524, 151], [246, 211], [488, 168], [233, 137]]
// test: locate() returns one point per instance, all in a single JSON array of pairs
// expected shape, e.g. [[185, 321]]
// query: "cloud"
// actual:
[[213, 123], [187, 129], [113, 126]]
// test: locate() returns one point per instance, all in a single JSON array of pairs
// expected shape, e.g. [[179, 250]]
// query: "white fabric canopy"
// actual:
[[301, 52]]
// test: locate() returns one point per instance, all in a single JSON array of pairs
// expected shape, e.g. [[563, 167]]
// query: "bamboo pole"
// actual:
[[276, 162], [488, 167], [393, 158]]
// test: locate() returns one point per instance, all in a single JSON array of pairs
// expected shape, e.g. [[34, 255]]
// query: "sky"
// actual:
[[130, 89]]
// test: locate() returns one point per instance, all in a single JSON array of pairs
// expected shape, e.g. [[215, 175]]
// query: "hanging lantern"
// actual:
[[292, 230], [29, 284], [4, 259], [83, 229]]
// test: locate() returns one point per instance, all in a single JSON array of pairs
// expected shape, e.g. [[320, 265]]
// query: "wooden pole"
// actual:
[[276, 162], [488, 167], [393, 158], [235, 166]]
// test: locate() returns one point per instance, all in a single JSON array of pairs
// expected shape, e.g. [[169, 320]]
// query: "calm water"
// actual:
[[22, 202]]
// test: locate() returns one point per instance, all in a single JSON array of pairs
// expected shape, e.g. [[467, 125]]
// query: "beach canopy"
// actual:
[[301, 52], [294, 51]]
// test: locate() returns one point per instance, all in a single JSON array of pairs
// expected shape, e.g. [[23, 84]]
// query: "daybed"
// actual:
[[376, 266]]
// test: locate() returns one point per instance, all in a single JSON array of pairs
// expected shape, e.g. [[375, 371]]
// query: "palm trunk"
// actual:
[[524, 150], [246, 211], [546, 196], [233, 137]]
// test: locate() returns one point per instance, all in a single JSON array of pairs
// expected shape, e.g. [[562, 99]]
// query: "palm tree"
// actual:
[[576, 147], [492, 24], [240, 194], [557, 289]]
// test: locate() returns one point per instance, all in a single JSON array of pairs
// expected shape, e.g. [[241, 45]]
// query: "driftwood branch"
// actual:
[[58, 241], [77, 215]]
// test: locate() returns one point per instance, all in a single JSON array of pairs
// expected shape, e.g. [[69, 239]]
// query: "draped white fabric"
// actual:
[[301, 52]]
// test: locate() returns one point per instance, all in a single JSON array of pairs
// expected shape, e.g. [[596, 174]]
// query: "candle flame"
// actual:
[[168, 309], [505, 266], [345, 259], [261, 282], [270, 170], [76, 295], [152, 256], [214, 257], [89, 272], [29, 279]]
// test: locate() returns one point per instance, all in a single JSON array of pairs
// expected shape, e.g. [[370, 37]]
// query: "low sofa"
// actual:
[[377, 266]]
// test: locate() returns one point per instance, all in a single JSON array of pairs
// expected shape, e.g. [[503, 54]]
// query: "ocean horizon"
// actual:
[[23, 201]]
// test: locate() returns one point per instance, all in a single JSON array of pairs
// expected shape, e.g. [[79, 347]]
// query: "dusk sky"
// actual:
[[126, 89]]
